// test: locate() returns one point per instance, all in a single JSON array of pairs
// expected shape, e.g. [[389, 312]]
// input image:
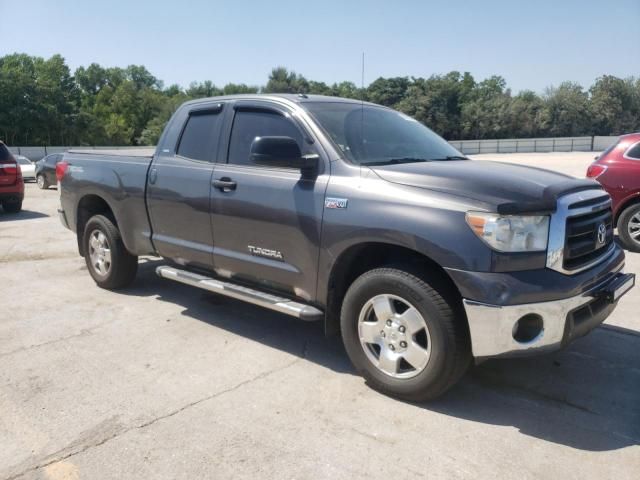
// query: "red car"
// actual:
[[618, 170], [11, 182]]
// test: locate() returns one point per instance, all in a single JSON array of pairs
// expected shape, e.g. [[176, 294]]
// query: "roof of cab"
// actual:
[[299, 98]]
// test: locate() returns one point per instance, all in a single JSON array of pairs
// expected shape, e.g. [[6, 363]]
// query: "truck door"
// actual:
[[266, 220], [179, 184]]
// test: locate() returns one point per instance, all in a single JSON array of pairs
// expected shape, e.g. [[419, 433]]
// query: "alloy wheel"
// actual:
[[100, 252], [395, 336], [633, 227]]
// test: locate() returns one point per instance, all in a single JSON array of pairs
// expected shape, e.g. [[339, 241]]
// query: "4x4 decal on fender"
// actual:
[[330, 202]]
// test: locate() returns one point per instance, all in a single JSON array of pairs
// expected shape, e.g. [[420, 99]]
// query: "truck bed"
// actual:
[[119, 177]]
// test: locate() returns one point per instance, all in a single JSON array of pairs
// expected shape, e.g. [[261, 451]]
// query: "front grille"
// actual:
[[582, 246], [590, 201]]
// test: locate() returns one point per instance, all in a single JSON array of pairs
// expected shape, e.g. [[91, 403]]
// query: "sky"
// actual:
[[533, 45]]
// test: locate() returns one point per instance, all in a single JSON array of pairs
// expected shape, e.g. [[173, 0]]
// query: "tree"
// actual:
[[202, 90], [347, 90], [522, 116], [42, 103], [438, 100], [485, 112], [283, 81], [17, 97], [38, 98], [388, 91], [566, 111], [615, 105], [237, 88]]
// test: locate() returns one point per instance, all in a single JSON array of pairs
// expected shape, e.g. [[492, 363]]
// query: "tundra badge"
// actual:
[[265, 252]]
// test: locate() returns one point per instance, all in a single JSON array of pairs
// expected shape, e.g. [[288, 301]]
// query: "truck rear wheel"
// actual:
[[629, 228], [108, 261], [404, 335]]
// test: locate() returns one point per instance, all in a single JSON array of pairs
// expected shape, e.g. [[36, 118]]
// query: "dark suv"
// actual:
[[46, 170]]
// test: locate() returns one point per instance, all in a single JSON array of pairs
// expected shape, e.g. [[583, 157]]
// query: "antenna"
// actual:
[[362, 106], [362, 78]]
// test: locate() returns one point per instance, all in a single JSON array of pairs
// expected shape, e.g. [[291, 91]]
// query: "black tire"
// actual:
[[446, 326], [12, 207], [626, 217], [122, 267], [41, 181]]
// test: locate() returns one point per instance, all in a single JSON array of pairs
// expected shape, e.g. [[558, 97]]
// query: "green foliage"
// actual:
[[567, 110], [37, 97], [283, 81], [615, 105], [438, 101], [42, 103]]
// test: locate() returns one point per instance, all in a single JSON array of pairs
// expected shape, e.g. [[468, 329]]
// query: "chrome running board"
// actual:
[[256, 297]]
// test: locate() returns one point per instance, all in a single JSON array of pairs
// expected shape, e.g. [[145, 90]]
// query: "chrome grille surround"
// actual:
[[558, 228]]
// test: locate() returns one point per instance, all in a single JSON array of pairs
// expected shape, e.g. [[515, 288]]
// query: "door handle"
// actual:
[[225, 184], [153, 176]]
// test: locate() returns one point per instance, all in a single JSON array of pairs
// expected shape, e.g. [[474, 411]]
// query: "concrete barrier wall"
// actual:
[[528, 145], [602, 143], [503, 145]]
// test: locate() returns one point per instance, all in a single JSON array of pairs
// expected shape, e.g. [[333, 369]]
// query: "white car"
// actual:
[[27, 168]]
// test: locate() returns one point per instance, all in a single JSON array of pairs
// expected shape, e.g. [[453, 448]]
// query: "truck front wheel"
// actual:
[[108, 261], [404, 334]]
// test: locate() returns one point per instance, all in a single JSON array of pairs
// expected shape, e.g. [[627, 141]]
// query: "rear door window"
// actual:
[[634, 152], [199, 140]]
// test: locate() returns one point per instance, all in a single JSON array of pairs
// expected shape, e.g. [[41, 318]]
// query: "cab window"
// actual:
[[199, 140], [249, 124]]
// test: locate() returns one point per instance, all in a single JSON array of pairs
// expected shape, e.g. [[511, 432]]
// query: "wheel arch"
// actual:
[[626, 203], [88, 206], [362, 257]]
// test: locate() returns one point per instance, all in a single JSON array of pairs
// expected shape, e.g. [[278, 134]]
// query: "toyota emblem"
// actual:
[[602, 234]]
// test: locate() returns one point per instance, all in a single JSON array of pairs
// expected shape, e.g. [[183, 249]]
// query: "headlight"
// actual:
[[511, 233]]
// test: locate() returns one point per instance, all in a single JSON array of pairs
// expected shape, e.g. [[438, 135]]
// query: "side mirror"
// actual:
[[281, 152]]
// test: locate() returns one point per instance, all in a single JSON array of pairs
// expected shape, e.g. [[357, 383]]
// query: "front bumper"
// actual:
[[496, 330]]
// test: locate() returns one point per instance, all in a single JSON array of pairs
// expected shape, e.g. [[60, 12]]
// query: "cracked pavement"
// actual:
[[165, 381]]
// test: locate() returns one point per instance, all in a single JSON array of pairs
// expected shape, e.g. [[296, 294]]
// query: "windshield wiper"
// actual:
[[395, 161], [450, 157]]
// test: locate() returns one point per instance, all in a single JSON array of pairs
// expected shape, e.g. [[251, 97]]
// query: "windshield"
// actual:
[[23, 161], [371, 135]]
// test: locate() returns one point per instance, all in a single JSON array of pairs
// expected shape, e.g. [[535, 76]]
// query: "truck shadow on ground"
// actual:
[[586, 397], [22, 215]]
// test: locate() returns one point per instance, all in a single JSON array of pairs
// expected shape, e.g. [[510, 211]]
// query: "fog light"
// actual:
[[528, 328]]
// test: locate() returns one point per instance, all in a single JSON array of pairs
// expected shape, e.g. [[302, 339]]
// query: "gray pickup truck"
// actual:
[[358, 216]]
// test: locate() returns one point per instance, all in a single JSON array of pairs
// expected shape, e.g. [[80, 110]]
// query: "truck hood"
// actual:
[[506, 187]]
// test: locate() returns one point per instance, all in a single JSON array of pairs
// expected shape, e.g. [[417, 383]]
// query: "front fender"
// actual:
[[429, 223]]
